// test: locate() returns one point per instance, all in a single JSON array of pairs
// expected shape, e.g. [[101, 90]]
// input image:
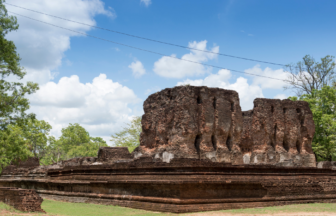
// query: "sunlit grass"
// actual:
[[87, 209]]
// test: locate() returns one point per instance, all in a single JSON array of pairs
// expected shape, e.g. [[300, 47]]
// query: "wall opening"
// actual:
[[302, 121], [199, 100], [229, 143], [284, 110], [214, 103], [298, 110], [298, 146], [214, 141], [232, 106], [272, 144], [272, 109], [285, 145], [198, 140]]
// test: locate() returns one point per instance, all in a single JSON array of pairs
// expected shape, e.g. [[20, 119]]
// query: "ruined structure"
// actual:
[[21, 199], [198, 152], [207, 123]]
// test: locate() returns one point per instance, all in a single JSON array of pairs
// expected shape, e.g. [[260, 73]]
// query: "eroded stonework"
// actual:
[[192, 122], [207, 123]]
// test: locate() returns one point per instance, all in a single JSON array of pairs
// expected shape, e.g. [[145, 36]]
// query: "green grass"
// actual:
[[314, 207], [87, 209], [8, 208]]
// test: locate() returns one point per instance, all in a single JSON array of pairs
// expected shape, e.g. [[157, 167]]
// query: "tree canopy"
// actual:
[[75, 141], [13, 104], [307, 75], [130, 135]]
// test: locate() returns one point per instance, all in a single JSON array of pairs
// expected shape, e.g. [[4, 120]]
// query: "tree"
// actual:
[[130, 135], [88, 149], [72, 136], [307, 75], [13, 103], [12, 146], [36, 134], [75, 141], [323, 106]]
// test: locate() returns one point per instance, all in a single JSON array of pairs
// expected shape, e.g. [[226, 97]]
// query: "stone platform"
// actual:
[[198, 152], [183, 185]]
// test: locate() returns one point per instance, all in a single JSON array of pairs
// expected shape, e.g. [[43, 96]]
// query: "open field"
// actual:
[[57, 208]]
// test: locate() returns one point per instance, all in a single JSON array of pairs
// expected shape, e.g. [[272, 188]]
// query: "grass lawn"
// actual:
[[84, 209]]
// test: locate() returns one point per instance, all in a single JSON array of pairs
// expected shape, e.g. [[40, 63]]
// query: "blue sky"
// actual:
[[102, 85]]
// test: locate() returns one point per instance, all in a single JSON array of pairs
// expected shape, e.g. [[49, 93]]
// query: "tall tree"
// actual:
[[129, 136], [54, 152], [323, 106], [12, 145], [88, 149], [13, 103], [36, 134], [72, 136], [307, 75]]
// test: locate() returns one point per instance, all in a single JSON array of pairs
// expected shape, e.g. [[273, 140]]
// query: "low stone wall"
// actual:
[[183, 185], [21, 199]]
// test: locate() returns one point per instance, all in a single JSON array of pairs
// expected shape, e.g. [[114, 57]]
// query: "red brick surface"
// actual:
[[21, 199]]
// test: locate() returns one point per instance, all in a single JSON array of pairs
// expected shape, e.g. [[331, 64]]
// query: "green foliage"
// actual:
[[75, 141], [53, 152], [323, 105], [73, 136], [87, 149], [12, 145], [13, 103], [307, 75], [129, 136], [36, 134]]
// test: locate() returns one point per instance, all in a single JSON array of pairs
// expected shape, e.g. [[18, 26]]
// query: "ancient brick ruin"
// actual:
[[198, 152], [21, 199], [207, 123]]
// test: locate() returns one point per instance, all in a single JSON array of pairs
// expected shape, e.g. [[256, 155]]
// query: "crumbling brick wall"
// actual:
[[22, 166], [21, 199], [207, 123], [192, 122], [113, 153]]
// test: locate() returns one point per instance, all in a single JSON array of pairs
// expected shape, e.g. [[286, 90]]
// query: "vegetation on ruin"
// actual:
[[130, 135]]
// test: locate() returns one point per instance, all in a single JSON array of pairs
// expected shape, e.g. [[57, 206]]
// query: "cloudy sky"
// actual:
[[102, 85]]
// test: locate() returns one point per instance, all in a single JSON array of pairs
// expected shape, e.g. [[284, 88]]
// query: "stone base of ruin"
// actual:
[[183, 185], [21, 199]]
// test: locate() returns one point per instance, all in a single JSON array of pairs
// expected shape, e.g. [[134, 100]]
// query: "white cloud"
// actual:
[[41, 46], [137, 68], [152, 90], [146, 2], [280, 96], [175, 68], [266, 82], [102, 106], [247, 93]]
